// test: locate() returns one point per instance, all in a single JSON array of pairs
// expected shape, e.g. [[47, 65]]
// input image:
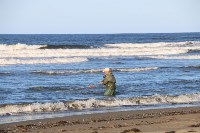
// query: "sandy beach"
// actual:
[[99, 66], [171, 120]]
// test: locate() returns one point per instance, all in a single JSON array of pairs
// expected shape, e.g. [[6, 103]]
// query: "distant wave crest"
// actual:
[[42, 61], [19, 46], [65, 47], [58, 72], [25, 54]]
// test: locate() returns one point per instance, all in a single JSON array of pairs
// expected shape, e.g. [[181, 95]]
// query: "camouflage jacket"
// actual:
[[109, 81]]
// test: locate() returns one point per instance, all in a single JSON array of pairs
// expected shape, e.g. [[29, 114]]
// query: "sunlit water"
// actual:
[[49, 75]]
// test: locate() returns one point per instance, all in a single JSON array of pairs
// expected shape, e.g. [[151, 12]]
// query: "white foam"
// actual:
[[19, 46], [9, 53], [136, 69], [154, 45], [98, 103], [50, 72], [156, 99], [184, 57], [35, 107], [136, 45], [42, 61]]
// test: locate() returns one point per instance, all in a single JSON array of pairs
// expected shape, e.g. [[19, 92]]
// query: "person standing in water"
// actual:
[[109, 81]]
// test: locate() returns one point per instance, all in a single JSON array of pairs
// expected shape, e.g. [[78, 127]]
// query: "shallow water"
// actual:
[[51, 74]]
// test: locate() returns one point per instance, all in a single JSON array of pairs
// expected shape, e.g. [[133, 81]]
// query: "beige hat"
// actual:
[[107, 70]]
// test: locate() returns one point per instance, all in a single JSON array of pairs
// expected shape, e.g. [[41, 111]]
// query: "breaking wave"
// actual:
[[5, 73], [98, 103], [195, 51], [177, 57], [19, 46], [58, 72], [147, 49], [65, 47], [42, 61], [37, 54]]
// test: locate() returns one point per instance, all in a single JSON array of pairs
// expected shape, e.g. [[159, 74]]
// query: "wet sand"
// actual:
[[172, 120]]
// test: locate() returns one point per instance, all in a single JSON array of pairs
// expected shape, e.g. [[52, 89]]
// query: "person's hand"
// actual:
[[101, 82]]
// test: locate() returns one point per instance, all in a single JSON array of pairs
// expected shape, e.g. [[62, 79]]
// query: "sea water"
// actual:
[[43, 76]]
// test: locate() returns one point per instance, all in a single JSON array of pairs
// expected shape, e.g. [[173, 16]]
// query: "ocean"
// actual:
[[45, 76]]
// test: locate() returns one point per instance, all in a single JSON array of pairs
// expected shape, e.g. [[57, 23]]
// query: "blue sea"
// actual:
[[45, 76]]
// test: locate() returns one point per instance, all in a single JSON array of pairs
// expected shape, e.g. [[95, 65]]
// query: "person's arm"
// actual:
[[105, 80], [102, 81], [108, 78]]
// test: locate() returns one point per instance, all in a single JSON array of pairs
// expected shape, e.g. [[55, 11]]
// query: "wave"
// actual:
[[136, 69], [5, 73], [197, 67], [176, 57], [191, 67], [97, 103], [154, 45], [195, 51], [58, 72], [19, 46], [4, 62], [66, 47], [162, 50]]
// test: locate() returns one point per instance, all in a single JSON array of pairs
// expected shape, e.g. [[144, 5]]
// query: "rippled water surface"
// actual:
[[51, 74]]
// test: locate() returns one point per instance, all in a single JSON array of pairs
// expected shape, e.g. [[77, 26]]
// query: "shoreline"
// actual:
[[181, 119]]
